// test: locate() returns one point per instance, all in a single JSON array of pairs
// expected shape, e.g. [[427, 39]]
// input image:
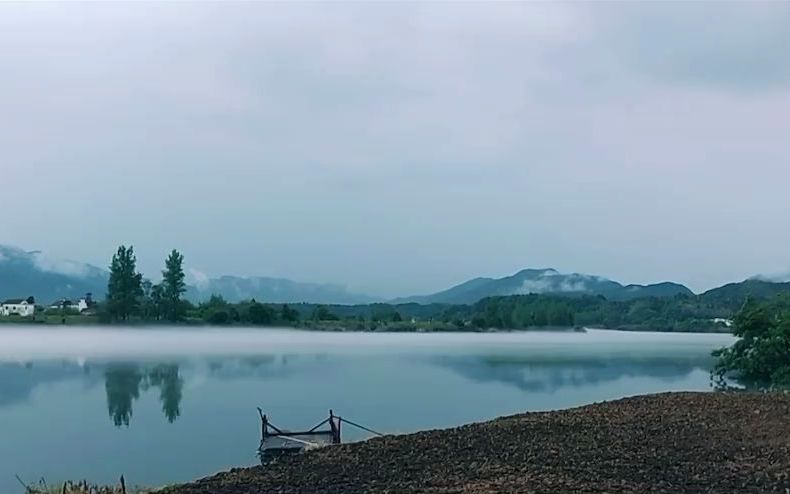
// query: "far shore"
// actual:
[[329, 326]]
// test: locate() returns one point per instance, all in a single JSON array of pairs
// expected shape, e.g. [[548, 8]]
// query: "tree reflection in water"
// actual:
[[170, 385], [124, 382]]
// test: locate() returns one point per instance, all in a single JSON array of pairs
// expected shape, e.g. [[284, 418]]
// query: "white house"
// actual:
[[76, 305], [727, 322], [19, 307]]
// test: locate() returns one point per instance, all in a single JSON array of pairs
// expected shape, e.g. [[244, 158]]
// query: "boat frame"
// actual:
[[276, 443]]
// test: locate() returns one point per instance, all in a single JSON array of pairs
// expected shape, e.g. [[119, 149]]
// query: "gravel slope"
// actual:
[[673, 442]]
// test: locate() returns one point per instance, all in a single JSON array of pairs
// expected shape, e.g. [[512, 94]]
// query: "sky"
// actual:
[[400, 148]]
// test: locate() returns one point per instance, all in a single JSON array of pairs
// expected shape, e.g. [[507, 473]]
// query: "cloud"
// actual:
[[198, 278], [46, 263], [61, 266], [732, 46], [552, 281], [336, 137], [774, 278]]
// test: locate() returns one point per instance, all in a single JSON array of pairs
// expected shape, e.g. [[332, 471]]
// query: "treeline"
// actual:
[[760, 358], [132, 298], [678, 313], [218, 311]]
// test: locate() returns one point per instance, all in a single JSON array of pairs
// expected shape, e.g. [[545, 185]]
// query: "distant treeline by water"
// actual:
[[131, 300], [683, 313], [517, 312]]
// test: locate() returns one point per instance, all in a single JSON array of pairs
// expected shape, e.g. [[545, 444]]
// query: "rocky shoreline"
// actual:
[[668, 443]]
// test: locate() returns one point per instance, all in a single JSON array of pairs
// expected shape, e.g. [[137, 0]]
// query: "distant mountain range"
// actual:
[[547, 281], [732, 295], [279, 290], [24, 273]]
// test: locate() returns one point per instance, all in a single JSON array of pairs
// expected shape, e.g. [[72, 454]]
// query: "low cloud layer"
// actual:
[[401, 148]]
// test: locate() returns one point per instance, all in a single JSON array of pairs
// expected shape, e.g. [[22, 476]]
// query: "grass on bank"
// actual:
[[68, 320], [81, 487]]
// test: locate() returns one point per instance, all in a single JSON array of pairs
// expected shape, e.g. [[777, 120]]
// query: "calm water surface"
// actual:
[[168, 405]]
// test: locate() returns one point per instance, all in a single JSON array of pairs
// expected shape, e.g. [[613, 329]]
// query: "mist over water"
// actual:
[[22, 343], [162, 405]]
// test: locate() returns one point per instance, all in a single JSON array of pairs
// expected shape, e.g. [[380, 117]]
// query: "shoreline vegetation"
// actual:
[[133, 300], [332, 326], [669, 442]]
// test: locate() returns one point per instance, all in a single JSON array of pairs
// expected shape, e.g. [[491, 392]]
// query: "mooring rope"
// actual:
[[360, 426]]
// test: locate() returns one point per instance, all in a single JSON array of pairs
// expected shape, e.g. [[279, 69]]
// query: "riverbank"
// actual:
[[672, 442], [335, 326]]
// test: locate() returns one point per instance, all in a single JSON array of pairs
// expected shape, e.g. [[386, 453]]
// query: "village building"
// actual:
[[25, 307], [79, 305]]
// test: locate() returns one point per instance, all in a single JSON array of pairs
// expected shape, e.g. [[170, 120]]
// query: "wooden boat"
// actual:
[[276, 442]]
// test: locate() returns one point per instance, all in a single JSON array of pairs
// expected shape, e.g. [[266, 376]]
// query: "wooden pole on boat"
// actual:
[[334, 427], [123, 485], [264, 421]]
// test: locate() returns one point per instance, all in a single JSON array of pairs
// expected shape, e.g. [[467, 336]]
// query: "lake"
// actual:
[[168, 405]]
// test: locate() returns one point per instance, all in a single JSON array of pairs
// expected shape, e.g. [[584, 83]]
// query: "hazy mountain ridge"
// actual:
[[24, 273], [275, 290], [546, 281], [733, 294]]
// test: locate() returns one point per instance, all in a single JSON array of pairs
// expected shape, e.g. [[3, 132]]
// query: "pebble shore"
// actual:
[[667, 443]]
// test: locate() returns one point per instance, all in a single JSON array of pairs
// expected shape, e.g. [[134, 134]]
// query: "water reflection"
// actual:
[[170, 385], [542, 374], [17, 381], [123, 387], [165, 397], [126, 382], [123, 384]]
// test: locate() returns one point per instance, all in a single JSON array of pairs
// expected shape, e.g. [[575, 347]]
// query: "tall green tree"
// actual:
[[124, 288], [260, 314], [288, 314], [761, 356], [157, 300], [173, 286]]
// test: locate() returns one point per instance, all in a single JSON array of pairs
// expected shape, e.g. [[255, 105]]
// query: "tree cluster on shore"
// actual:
[[129, 296], [761, 356], [681, 313]]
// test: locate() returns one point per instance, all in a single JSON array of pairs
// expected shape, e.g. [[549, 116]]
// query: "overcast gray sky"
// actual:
[[399, 148]]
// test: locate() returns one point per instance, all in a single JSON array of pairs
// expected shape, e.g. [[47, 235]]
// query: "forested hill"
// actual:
[[24, 274], [546, 281], [732, 295], [31, 273], [705, 312]]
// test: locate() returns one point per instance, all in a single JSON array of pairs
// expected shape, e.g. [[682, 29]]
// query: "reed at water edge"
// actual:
[[81, 487]]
